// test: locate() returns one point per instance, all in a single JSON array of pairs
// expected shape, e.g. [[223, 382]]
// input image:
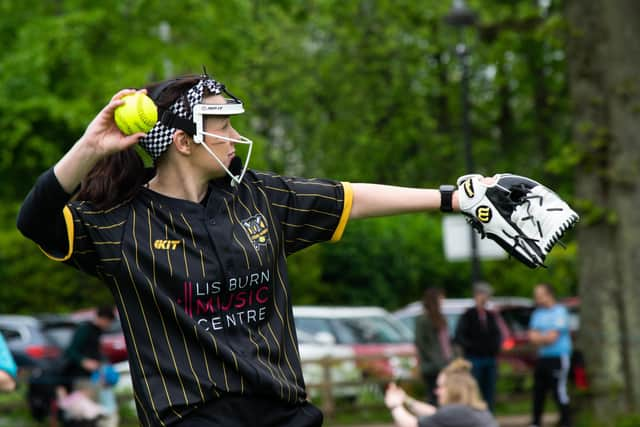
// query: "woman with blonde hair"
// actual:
[[458, 397]]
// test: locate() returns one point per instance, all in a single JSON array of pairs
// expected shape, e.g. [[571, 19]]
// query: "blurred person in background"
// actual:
[[458, 396], [549, 330], [432, 340], [83, 357], [478, 334], [8, 368]]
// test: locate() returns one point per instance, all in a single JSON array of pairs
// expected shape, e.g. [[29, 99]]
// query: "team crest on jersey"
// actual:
[[257, 229]]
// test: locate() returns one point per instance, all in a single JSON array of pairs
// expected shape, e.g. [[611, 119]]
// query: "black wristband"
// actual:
[[446, 197]]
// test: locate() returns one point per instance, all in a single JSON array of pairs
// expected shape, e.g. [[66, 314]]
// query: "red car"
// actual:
[[112, 341]]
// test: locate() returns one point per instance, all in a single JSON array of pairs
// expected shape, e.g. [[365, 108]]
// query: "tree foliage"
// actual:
[[363, 90]]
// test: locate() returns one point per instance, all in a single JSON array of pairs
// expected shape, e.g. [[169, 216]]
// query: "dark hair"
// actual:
[[431, 304], [106, 312], [548, 289], [120, 176]]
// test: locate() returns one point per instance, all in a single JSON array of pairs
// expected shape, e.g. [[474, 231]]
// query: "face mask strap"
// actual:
[[236, 179]]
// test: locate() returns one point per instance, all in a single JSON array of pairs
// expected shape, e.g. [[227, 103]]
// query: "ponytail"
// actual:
[[114, 179]]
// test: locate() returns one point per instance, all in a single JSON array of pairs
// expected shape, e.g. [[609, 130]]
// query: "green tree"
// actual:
[[604, 57], [364, 90]]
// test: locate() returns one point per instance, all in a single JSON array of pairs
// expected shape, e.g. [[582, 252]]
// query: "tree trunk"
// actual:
[[604, 59]]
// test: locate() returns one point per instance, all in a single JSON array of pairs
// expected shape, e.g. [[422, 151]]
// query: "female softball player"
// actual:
[[194, 252]]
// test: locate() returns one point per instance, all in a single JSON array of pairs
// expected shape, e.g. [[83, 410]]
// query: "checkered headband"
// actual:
[[160, 136]]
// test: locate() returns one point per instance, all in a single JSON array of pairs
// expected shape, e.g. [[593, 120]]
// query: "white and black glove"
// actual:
[[523, 216]]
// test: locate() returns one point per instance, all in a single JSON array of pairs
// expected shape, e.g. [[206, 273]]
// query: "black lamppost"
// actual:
[[461, 17]]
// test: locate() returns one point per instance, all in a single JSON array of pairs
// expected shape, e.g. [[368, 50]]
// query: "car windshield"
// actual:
[[356, 330], [369, 330]]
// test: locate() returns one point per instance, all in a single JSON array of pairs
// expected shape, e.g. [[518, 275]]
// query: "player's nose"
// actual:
[[235, 134]]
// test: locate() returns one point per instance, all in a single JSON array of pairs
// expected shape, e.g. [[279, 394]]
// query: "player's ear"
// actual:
[[182, 142]]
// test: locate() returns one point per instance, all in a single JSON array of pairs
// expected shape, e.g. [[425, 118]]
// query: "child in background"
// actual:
[[104, 380], [79, 406]]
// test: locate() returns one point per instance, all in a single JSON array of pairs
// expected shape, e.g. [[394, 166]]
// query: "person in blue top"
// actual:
[[549, 330], [8, 368]]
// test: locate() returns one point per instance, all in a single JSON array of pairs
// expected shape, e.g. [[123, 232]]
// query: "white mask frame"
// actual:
[[230, 108]]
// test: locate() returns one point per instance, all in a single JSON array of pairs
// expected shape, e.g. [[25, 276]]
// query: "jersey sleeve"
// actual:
[[69, 232], [309, 210]]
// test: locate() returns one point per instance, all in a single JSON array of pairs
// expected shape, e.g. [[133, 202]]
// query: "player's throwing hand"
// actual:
[[102, 135]]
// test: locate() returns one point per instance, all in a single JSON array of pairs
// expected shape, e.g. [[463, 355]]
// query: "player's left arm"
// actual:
[[543, 338], [549, 336], [561, 325], [372, 200]]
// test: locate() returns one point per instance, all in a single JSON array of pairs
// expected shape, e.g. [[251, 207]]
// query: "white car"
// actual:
[[382, 345], [319, 352]]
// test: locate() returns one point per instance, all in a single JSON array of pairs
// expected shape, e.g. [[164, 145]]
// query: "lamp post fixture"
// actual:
[[461, 17]]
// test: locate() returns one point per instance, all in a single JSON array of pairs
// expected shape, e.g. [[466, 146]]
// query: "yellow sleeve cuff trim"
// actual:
[[68, 219], [346, 212]]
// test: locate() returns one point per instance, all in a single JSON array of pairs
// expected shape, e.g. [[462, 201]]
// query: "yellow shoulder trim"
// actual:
[[68, 219], [346, 212]]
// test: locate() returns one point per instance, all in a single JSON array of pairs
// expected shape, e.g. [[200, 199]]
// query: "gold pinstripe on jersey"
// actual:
[[186, 347], [305, 210], [266, 365], [174, 274], [276, 341], [204, 357], [146, 325], [104, 227], [135, 239], [202, 262], [277, 310], [166, 236], [120, 299]]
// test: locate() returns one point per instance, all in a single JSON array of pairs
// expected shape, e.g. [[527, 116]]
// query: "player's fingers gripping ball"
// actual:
[[138, 114]]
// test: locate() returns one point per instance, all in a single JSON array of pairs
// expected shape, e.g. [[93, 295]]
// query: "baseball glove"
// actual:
[[523, 216]]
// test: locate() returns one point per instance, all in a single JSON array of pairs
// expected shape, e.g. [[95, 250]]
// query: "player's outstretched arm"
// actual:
[[371, 200], [101, 138]]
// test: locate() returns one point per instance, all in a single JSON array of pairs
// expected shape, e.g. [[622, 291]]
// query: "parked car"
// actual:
[[36, 341], [514, 314], [383, 344], [313, 349], [112, 343]]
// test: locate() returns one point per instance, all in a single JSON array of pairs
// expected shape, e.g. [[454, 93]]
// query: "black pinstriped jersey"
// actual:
[[202, 289]]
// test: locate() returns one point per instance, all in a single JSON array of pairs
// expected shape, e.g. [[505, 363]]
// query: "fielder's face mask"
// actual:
[[188, 113]]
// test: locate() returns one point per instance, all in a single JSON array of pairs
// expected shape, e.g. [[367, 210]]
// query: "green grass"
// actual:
[[368, 407]]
